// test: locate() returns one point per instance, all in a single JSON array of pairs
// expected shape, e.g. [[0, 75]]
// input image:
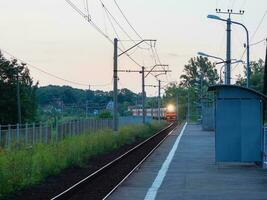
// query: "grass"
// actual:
[[22, 168]]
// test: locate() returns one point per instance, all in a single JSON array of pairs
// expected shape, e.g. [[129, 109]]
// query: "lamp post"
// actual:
[[229, 22], [115, 79], [222, 61]]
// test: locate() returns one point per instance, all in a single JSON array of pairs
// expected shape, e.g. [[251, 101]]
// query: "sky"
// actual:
[[51, 36]]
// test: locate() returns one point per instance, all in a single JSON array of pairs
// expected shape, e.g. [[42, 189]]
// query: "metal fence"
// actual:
[[29, 134], [265, 146], [208, 116], [133, 120]]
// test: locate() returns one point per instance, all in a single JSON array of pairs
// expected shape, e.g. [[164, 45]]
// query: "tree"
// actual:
[[11, 73], [256, 76], [199, 69]]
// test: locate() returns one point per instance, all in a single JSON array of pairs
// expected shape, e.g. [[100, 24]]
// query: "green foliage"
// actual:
[[198, 75], [11, 73], [51, 99], [105, 115], [256, 76], [199, 69], [22, 168], [174, 91]]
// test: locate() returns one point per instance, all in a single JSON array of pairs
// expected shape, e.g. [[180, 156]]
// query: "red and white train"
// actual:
[[168, 113]]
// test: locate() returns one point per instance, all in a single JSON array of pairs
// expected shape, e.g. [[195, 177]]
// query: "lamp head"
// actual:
[[213, 17], [202, 54]]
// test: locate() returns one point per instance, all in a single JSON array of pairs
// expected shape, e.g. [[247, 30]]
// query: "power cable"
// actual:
[[52, 75], [260, 23], [253, 35], [98, 29], [256, 43], [128, 22], [117, 22]]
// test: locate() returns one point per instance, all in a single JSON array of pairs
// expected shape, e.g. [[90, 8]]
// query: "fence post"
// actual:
[[17, 133], [40, 132], [52, 134], [33, 133], [0, 135], [9, 135], [75, 127], [46, 132], [62, 131], [26, 134], [56, 131], [69, 129]]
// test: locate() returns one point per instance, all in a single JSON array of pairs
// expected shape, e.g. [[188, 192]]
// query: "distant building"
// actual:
[[109, 105]]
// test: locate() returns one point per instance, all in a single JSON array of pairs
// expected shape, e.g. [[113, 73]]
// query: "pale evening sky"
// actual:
[[52, 36]]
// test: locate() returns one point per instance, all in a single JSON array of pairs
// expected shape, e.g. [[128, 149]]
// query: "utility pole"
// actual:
[[115, 79], [188, 109], [228, 52], [143, 96], [177, 106], [265, 73], [115, 86], [143, 85], [62, 108], [159, 102], [86, 109], [18, 97], [201, 95], [229, 12]]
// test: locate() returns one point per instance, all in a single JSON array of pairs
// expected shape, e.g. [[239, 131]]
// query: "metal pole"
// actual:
[[143, 95], [201, 96], [177, 107], [159, 103], [221, 81], [187, 107], [248, 60], [228, 52], [18, 98], [86, 110], [115, 86]]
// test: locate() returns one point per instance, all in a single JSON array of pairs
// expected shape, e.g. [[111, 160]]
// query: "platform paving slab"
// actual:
[[193, 173]]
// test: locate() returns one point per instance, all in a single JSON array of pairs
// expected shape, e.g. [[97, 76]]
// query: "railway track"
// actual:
[[102, 183]]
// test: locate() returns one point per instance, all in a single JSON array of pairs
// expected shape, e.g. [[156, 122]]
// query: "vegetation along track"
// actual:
[[104, 181]]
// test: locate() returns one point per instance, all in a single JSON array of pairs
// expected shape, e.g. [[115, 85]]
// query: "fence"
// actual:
[[29, 134], [133, 120], [208, 114], [265, 146]]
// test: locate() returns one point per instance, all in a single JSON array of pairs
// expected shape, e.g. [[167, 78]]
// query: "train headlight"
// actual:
[[171, 108]]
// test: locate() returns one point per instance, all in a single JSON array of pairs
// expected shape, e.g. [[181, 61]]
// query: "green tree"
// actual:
[[199, 69], [9, 72], [256, 76], [105, 114]]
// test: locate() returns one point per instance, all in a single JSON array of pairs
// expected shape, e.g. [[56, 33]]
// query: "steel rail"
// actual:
[[140, 163], [74, 188]]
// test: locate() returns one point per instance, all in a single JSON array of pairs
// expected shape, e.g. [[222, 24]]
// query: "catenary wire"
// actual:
[[53, 75]]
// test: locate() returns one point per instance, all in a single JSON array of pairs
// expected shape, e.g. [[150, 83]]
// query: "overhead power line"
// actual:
[[252, 37], [261, 41], [53, 75], [89, 19], [128, 22]]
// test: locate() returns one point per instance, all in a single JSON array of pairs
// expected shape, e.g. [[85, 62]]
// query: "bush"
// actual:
[[105, 115], [22, 168]]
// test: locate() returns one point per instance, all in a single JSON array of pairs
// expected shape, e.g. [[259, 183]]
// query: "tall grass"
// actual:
[[21, 168]]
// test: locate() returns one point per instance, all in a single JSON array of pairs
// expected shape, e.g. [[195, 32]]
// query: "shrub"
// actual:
[[24, 167]]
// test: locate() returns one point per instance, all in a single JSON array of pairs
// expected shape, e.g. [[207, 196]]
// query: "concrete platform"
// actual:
[[193, 173]]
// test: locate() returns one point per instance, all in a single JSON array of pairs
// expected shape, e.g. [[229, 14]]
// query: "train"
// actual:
[[167, 113]]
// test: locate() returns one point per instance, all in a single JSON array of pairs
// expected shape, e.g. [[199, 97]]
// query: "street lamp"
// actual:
[[229, 21], [222, 61], [210, 56]]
